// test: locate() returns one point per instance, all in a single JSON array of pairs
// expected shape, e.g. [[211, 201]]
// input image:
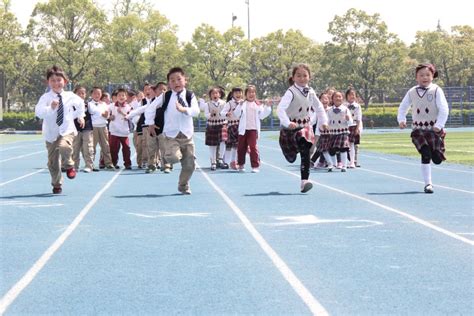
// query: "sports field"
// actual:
[[365, 242]]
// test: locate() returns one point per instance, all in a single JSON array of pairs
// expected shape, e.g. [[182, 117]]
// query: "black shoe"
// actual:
[[213, 166], [224, 166], [128, 168], [95, 169], [117, 167], [101, 167], [57, 190], [429, 188]]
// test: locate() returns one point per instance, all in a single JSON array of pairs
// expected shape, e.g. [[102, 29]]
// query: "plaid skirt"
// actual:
[[353, 137], [324, 143], [232, 136], [290, 141], [215, 134], [339, 141], [434, 140]]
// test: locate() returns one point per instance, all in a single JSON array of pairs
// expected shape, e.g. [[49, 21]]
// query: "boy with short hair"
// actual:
[[58, 109], [178, 109], [119, 127]]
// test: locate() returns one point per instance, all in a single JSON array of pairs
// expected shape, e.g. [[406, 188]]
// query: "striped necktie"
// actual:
[[180, 100], [60, 113]]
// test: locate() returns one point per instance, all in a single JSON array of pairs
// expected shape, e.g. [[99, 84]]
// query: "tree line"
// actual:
[[139, 44]]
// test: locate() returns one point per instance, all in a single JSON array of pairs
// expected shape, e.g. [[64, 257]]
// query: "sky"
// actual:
[[311, 17]]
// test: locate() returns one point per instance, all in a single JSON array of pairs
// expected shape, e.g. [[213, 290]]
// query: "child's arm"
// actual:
[[136, 112], [44, 108], [403, 110], [320, 114], [443, 110], [349, 119], [205, 106], [192, 110], [281, 110], [226, 110], [264, 111]]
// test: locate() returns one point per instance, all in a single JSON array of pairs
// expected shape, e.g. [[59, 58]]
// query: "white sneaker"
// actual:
[[241, 169], [306, 186], [87, 170], [255, 170]]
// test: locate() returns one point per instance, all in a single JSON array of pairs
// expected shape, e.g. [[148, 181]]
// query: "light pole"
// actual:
[[234, 17], [248, 18]]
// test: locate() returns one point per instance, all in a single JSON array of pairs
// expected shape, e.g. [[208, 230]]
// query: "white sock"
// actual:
[[329, 158], [227, 156], [426, 172], [344, 159], [221, 150], [233, 154], [212, 153]]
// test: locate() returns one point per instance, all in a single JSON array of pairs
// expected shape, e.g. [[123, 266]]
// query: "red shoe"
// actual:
[[57, 190], [71, 173]]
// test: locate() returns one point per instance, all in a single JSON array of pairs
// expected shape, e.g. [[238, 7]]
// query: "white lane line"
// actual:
[[16, 147], [313, 304], [22, 177], [417, 164], [13, 293], [415, 181], [385, 207], [23, 156], [411, 146]]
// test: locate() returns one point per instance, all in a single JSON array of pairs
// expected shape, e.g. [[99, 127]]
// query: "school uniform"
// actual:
[[299, 105], [100, 132], [232, 131], [178, 131], [250, 113], [120, 128], [429, 109], [139, 137], [84, 141], [59, 136]]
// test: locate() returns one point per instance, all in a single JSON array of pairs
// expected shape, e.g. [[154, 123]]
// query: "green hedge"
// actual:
[[25, 121]]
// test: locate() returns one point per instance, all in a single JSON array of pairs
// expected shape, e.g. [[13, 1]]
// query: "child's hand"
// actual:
[[324, 127], [357, 131], [112, 117], [54, 104], [151, 130], [81, 122], [402, 125], [229, 114], [180, 108], [436, 129], [347, 117], [292, 125], [105, 114]]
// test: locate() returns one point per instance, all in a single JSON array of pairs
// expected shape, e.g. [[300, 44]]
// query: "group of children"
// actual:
[[323, 127]]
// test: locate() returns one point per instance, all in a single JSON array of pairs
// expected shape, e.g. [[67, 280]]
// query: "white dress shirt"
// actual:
[[242, 111], [175, 121], [73, 107], [96, 108]]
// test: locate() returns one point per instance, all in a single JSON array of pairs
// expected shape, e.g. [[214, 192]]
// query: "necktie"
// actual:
[[336, 110], [421, 88], [352, 107], [60, 113], [180, 100]]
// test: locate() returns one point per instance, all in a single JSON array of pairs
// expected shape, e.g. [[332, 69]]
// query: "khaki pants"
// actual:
[[155, 145], [83, 142], [59, 150], [181, 149], [139, 143], [101, 136]]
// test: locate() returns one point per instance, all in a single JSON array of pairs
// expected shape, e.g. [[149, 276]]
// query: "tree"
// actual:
[[71, 29], [213, 58], [272, 58], [363, 53], [452, 53]]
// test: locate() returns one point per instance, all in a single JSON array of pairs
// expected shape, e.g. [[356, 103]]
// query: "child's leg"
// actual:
[[352, 154], [87, 149], [65, 150], [54, 163], [252, 143], [188, 164], [144, 140], [305, 148], [125, 142], [344, 158], [106, 147], [356, 155], [114, 149], [137, 146], [425, 164], [212, 154], [242, 149], [76, 150], [221, 150]]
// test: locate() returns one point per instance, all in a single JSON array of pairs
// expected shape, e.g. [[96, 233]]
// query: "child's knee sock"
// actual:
[[426, 172], [212, 153], [331, 160], [352, 153], [221, 150]]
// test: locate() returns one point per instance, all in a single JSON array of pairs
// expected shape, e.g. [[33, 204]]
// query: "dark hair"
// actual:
[[78, 87], [295, 69], [332, 97], [131, 92], [96, 88], [321, 94], [120, 90], [231, 93], [250, 86], [430, 67], [351, 89], [104, 94], [175, 70], [55, 71], [155, 87], [219, 89]]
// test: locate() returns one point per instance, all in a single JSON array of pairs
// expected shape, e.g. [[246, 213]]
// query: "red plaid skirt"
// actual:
[[232, 136], [215, 134], [434, 140], [290, 139], [324, 143], [339, 141], [353, 138]]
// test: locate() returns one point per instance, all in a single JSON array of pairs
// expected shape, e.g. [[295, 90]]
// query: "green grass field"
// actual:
[[459, 145]]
